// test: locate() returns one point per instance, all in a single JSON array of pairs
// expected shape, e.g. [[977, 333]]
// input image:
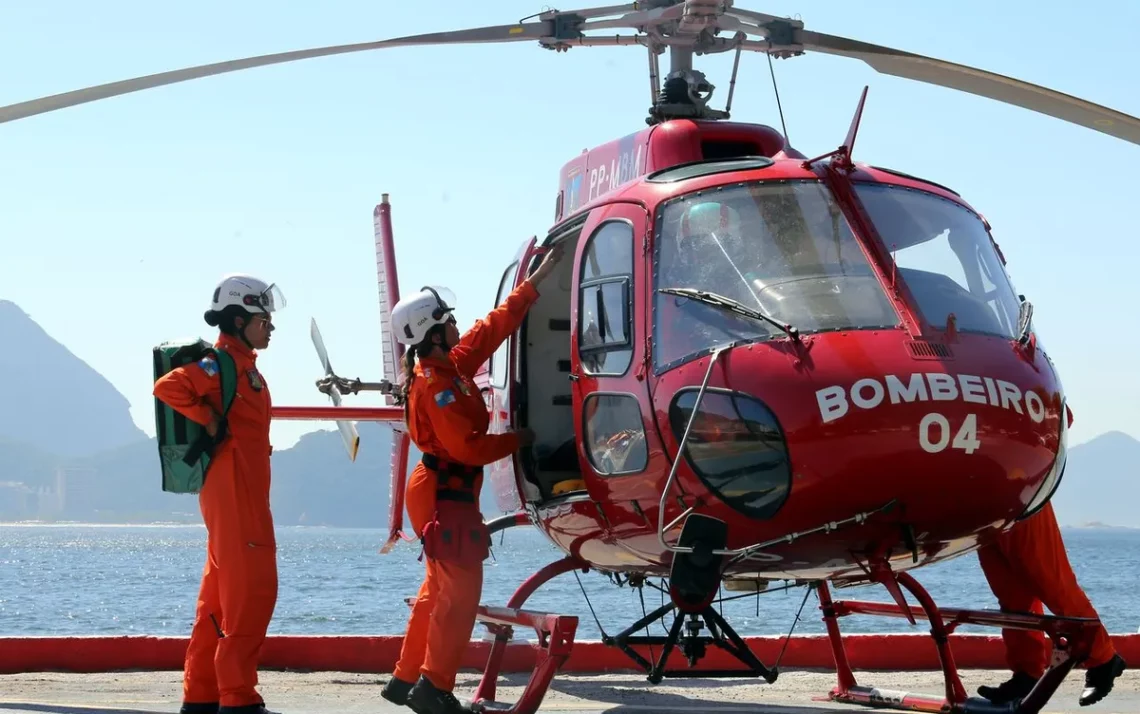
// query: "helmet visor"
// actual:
[[444, 298], [271, 300]]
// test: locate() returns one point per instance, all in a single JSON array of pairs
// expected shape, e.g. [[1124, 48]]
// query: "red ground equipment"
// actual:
[[756, 366]]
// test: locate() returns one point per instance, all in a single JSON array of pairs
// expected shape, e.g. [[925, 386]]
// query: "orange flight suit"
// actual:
[[1027, 567], [448, 419], [239, 583]]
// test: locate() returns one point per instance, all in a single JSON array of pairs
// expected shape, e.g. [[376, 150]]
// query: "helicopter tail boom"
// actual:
[[391, 354]]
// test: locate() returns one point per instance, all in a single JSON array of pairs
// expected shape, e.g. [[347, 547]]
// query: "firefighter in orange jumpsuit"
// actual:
[[1025, 568], [239, 582], [448, 420]]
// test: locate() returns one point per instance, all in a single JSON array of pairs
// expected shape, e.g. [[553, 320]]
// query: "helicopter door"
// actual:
[[502, 398], [620, 454]]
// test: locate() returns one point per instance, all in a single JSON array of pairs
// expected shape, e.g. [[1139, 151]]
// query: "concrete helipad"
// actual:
[[344, 693]]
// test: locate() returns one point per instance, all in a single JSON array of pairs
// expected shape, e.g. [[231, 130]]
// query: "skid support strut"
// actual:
[[692, 644], [555, 641], [1071, 636]]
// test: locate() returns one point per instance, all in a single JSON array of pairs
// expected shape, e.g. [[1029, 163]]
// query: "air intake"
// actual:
[[921, 349]]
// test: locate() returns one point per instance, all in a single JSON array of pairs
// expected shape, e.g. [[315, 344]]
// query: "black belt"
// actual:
[[450, 494], [450, 468]]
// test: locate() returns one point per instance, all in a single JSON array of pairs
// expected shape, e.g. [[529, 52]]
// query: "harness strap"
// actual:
[[450, 494], [451, 468]]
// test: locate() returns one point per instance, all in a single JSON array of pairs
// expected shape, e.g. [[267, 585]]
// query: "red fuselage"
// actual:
[[909, 383]]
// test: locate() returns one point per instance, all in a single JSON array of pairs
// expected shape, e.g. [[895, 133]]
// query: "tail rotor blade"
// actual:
[[319, 343], [347, 429]]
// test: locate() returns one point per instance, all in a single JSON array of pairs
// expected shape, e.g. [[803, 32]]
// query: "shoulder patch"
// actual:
[[444, 398], [209, 366]]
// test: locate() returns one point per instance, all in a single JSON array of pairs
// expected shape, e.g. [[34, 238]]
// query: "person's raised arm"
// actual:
[[456, 430], [190, 389], [480, 342]]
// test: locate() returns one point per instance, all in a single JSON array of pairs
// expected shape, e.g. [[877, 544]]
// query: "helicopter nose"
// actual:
[[951, 446], [974, 439]]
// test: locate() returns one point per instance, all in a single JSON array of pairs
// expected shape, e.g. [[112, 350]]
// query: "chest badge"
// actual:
[[255, 382]]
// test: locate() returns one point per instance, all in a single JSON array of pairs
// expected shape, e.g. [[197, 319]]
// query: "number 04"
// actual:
[[966, 439]]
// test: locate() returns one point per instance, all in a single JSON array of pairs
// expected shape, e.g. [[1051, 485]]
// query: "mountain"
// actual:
[[23, 462], [91, 462], [314, 483], [40, 376], [1100, 484]]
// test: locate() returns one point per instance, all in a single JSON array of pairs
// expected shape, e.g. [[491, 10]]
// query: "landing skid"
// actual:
[[555, 635], [1072, 639]]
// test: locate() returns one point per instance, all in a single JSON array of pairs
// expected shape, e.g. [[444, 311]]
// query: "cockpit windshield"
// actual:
[[781, 249], [946, 258]]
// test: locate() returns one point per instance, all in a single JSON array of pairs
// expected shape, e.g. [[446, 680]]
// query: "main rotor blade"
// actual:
[[499, 33], [977, 81]]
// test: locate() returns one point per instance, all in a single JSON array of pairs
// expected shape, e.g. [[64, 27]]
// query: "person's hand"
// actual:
[[526, 437], [215, 424], [548, 262]]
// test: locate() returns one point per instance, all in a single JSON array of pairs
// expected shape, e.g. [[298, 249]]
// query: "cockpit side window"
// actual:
[[782, 248], [945, 256], [605, 295]]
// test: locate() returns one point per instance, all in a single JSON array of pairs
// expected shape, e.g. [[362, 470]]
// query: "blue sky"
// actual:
[[118, 217]]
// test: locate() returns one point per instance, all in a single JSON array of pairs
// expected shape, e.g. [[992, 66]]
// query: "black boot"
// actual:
[[199, 708], [247, 709], [425, 698], [396, 691], [1016, 687], [1099, 680]]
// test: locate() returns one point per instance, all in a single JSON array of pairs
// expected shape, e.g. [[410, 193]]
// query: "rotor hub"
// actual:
[[684, 95]]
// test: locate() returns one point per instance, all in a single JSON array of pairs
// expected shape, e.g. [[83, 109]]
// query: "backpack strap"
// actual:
[[227, 372]]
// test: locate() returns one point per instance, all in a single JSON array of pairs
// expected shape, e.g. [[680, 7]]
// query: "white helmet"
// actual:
[[249, 293], [414, 315]]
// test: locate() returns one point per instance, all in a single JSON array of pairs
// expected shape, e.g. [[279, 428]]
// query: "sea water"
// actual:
[[143, 580]]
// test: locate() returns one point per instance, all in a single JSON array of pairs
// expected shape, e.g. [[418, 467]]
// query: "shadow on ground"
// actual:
[[68, 709], [634, 693]]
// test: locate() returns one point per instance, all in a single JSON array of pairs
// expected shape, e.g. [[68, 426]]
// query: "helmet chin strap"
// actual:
[[443, 338], [241, 332], [428, 345]]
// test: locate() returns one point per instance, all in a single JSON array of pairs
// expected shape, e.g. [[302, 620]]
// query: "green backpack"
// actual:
[[185, 448]]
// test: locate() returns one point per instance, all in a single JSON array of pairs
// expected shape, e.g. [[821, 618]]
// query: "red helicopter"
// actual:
[[757, 366]]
